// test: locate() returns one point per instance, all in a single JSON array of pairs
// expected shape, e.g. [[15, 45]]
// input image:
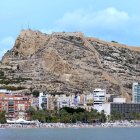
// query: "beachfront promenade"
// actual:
[[81, 125]]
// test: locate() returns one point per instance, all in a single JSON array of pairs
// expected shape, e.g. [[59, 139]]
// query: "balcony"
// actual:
[[11, 103], [12, 112]]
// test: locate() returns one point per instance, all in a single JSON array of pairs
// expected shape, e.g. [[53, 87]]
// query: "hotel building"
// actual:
[[99, 97]]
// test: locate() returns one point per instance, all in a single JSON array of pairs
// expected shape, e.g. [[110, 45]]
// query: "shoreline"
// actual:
[[69, 125]]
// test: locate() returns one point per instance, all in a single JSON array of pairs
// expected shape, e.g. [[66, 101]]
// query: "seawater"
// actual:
[[71, 134]]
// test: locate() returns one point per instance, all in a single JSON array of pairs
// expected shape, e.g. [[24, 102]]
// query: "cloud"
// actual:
[[86, 20], [108, 24]]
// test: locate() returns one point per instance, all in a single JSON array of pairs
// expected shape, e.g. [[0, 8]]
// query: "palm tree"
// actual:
[[102, 116], [64, 116], [2, 117], [30, 112]]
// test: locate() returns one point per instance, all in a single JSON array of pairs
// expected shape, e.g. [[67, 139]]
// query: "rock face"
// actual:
[[70, 62]]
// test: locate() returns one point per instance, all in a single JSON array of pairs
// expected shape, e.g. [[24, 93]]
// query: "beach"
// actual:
[[74, 125]]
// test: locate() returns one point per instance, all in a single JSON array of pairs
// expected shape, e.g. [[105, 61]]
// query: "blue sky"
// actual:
[[105, 19]]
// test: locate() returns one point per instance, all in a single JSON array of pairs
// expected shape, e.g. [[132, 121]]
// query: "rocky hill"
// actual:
[[69, 63]]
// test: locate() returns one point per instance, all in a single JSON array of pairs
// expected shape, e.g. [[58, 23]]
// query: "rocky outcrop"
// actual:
[[70, 62]]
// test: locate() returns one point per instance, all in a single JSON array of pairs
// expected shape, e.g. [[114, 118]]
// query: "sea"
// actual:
[[70, 134]]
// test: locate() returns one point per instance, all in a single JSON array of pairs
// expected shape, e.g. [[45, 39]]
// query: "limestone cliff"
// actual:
[[70, 62]]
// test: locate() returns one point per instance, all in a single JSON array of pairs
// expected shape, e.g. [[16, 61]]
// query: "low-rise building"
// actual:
[[119, 105], [125, 109], [119, 100]]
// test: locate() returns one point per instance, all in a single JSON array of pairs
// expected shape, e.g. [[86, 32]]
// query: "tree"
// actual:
[[103, 116], [2, 117], [31, 111], [74, 117], [40, 115], [93, 115], [64, 116], [68, 109], [35, 93], [72, 110], [135, 116], [116, 116], [78, 110], [86, 117]]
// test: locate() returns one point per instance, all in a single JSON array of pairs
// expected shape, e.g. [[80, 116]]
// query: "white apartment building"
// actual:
[[136, 92], [63, 101], [99, 97], [43, 100]]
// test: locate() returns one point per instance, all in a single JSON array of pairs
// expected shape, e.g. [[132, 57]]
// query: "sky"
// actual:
[[111, 20]]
